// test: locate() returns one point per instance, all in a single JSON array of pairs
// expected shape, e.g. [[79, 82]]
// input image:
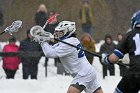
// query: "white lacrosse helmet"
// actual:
[[67, 27]]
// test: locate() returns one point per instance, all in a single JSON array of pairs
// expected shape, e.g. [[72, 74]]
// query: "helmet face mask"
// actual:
[[65, 29], [59, 34]]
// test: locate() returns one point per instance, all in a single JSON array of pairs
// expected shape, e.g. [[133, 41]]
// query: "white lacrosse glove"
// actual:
[[39, 35], [104, 58]]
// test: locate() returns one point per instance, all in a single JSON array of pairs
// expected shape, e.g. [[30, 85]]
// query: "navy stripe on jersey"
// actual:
[[118, 53], [117, 91]]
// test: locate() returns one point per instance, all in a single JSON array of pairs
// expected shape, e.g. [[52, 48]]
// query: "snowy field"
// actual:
[[53, 83]]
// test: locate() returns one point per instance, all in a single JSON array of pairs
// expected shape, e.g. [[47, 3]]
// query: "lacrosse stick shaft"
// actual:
[[2, 32], [93, 53], [45, 25]]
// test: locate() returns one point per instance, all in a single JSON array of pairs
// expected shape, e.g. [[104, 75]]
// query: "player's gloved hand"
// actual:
[[104, 59], [39, 35]]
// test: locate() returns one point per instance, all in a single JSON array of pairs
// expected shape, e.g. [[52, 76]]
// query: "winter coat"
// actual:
[[51, 27], [86, 16], [107, 48], [1, 18], [29, 46], [90, 46], [41, 18], [10, 63]]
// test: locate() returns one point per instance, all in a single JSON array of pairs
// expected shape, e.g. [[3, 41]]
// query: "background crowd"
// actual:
[[30, 64]]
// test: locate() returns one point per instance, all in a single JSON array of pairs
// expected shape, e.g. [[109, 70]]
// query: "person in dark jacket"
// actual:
[[29, 64], [108, 47], [123, 70], [41, 15], [1, 18], [51, 28], [10, 64]]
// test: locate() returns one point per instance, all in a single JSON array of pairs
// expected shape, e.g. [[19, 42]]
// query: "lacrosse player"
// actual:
[[130, 83], [73, 59]]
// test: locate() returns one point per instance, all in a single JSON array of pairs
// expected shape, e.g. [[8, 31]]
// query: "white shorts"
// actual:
[[89, 81]]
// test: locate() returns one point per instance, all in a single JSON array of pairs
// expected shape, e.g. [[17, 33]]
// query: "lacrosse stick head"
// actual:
[[14, 27], [39, 35]]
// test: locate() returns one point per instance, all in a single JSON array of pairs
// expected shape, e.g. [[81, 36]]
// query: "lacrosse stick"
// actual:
[[50, 19], [38, 33], [93, 53], [13, 27]]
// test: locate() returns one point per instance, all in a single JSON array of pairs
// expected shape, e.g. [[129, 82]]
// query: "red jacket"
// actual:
[[10, 63]]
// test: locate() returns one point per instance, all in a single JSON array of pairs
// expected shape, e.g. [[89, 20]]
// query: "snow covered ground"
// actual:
[[53, 83]]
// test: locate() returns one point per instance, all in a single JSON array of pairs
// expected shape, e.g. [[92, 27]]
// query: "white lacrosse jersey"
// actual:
[[73, 59]]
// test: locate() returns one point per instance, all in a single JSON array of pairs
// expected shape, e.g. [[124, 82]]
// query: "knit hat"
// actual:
[[85, 1], [108, 36], [12, 39]]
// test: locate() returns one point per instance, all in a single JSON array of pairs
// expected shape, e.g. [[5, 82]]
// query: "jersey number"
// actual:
[[136, 38], [80, 51]]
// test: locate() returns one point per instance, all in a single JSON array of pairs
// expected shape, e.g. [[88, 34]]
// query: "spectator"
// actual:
[[88, 44], [60, 67], [40, 19], [119, 37], [86, 16], [1, 19], [0, 51], [123, 70], [108, 47], [51, 28], [29, 64], [41, 16], [10, 64]]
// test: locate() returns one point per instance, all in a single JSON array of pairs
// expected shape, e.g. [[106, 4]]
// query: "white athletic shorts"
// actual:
[[89, 81]]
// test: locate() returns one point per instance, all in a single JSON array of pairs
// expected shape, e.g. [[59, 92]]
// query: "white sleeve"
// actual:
[[55, 51]]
